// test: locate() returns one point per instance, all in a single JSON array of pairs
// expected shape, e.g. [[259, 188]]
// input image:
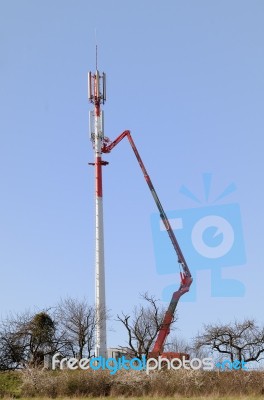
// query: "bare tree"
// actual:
[[76, 322], [27, 337], [143, 326], [12, 348], [24, 340], [177, 344], [243, 341]]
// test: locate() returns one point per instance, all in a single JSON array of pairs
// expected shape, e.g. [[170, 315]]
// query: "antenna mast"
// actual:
[[97, 96]]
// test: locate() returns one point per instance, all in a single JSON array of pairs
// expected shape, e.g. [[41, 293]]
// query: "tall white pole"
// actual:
[[96, 121]]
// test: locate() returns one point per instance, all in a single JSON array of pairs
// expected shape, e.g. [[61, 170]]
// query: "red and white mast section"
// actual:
[[97, 96]]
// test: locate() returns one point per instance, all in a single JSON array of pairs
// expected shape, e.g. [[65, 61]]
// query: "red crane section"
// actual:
[[186, 277]]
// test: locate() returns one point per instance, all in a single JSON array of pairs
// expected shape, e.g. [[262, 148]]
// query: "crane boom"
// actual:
[[186, 277]]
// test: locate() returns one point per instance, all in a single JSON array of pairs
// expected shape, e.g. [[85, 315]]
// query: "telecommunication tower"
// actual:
[[97, 96]]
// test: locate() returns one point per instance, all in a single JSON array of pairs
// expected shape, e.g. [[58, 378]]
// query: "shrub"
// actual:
[[137, 383]]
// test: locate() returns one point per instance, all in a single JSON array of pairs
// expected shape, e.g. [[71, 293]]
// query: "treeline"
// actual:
[[69, 328], [26, 338]]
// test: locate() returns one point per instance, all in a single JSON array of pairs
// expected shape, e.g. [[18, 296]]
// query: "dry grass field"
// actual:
[[133, 384], [154, 398]]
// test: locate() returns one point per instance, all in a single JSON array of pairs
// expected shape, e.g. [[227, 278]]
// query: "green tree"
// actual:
[[41, 334]]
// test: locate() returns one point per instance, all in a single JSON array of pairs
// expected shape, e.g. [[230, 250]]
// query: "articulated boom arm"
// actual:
[[186, 278]]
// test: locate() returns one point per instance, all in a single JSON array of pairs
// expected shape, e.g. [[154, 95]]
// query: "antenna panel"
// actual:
[[90, 88], [91, 125]]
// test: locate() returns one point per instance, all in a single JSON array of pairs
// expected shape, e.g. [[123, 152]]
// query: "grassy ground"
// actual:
[[10, 384]]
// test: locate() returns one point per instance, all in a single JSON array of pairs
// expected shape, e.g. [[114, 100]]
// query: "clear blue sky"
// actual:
[[186, 77]]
